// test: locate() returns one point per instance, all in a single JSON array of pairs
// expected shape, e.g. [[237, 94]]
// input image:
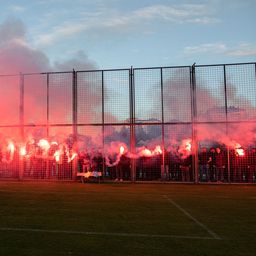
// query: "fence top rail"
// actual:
[[37, 73], [162, 67], [226, 64], [103, 70], [125, 69]]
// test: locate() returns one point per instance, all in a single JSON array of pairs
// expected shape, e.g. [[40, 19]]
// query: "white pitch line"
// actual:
[[213, 234], [72, 232]]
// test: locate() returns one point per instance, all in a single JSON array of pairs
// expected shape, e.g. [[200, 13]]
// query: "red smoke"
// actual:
[[16, 55]]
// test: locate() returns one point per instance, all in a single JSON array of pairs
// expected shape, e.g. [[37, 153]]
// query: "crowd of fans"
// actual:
[[215, 164]]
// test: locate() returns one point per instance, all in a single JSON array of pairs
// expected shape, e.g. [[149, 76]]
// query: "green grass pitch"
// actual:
[[44, 218]]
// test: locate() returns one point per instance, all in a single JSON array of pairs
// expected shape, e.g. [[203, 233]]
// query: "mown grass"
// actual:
[[37, 208]]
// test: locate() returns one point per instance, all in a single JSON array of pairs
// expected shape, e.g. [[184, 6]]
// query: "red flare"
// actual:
[[73, 156], [240, 151], [23, 151], [121, 150]]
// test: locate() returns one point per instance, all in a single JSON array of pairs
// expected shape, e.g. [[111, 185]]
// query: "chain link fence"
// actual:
[[169, 124]]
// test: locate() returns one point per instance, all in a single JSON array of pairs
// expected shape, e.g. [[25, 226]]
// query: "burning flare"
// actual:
[[149, 153], [23, 151], [238, 149]]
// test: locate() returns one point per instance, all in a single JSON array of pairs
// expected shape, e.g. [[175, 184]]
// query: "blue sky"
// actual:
[[118, 33]]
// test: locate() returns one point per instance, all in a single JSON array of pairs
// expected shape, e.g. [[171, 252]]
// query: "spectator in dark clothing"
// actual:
[[220, 163], [252, 165], [185, 167], [204, 160], [238, 163], [212, 165]]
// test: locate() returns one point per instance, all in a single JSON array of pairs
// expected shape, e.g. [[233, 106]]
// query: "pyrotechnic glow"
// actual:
[[44, 144], [11, 147], [148, 153], [240, 151], [23, 151], [238, 148], [185, 148], [158, 150], [73, 156], [121, 150], [57, 155], [188, 145]]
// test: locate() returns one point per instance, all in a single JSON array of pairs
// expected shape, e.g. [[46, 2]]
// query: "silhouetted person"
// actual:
[[252, 165], [204, 160], [220, 162]]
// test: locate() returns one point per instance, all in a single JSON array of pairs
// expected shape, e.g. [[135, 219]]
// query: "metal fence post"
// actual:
[[226, 119], [74, 118], [163, 171], [103, 123], [47, 103], [21, 117], [194, 122], [21, 111], [132, 123]]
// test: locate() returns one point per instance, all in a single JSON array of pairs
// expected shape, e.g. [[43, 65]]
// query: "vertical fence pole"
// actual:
[[194, 122], [74, 119], [103, 123], [132, 123], [47, 123], [226, 119], [21, 116], [47, 104], [163, 171]]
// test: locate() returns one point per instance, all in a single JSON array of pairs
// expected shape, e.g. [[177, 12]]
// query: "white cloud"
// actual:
[[101, 20], [184, 13], [206, 48], [240, 50], [17, 8], [60, 32]]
